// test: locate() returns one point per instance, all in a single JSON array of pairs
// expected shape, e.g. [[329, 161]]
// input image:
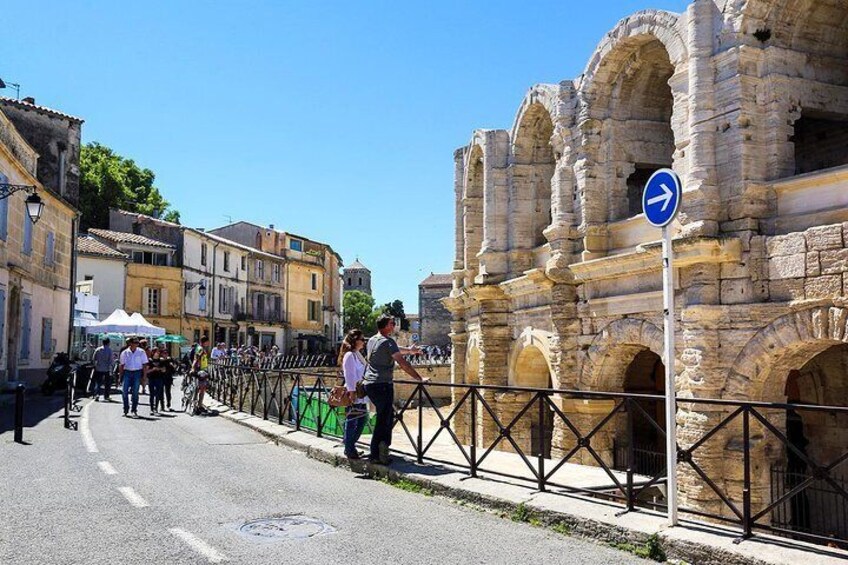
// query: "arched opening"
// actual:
[[532, 171], [472, 212], [818, 439], [534, 432], [637, 102], [644, 375]]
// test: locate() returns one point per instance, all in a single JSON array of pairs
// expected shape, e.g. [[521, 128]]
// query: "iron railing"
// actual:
[[477, 427]]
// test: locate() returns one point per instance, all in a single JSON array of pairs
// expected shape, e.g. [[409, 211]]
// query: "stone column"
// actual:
[[459, 228], [459, 341], [493, 255]]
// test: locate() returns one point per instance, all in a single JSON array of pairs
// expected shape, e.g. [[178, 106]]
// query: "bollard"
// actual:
[[19, 413]]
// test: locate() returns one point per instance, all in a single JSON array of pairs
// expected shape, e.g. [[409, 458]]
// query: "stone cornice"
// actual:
[[483, 292], [531, 282], [648, 258]]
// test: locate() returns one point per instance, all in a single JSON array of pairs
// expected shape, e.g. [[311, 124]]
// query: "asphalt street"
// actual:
[[181, 489]]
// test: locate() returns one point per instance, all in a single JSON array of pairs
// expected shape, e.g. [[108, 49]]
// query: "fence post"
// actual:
[[19, 413], [541, 398], [420, 423], [299, 399], [631, 455], [319, 382], [68, 385], [747, 526], [473, 398]]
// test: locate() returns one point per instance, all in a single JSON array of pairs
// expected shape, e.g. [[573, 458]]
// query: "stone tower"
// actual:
[[357, 277]]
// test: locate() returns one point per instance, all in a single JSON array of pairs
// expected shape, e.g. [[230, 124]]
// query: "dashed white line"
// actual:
[[198, 545], [133, 497], [85, 432], [107, 468]]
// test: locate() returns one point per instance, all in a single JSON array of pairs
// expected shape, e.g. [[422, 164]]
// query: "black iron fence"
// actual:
[[725, 456]]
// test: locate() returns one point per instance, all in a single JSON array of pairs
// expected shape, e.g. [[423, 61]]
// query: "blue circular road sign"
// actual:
[[661, 198]]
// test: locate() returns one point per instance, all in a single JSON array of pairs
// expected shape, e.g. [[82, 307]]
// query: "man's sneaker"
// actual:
[[384, 454], [135, 414], [126, 415], [96, 399]]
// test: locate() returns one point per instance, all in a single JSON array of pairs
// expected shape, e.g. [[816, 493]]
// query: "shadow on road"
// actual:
[[37, 408]]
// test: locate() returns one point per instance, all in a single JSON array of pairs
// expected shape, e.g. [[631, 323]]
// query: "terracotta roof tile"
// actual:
[[87, 245], [37, 108], [128, 238]]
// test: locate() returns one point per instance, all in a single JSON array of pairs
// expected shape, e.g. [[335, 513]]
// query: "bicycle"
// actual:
[[190, 393]]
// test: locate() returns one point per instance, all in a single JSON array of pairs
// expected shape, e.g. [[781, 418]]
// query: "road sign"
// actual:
[[660, 202], [661, 198]]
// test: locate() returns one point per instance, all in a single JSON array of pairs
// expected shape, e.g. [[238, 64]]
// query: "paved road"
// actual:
[[177, 489]]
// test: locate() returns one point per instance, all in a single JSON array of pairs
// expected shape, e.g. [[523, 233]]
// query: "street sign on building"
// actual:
[[660, 203]]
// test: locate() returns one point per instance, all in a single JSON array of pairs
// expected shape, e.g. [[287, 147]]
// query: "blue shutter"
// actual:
[[49, 249], [2, 319], [27, 247], [202, 301], [26, 320], [46, 336], [4, 212]]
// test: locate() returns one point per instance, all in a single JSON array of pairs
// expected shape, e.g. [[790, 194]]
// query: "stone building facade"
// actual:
[[556, 279], [434, 317]]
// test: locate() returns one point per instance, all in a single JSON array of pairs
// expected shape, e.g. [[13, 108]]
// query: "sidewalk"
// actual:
[[691, 542]]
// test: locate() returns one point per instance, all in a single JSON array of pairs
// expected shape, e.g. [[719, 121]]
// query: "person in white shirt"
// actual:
[[132, 366], [356, 414], [219, 351]]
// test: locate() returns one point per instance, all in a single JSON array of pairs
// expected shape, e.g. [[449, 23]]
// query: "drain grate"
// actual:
[[287, 527]]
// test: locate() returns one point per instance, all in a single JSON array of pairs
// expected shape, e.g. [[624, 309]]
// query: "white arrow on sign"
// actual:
[[665, 197]]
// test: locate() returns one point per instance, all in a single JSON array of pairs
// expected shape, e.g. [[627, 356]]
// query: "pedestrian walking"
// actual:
[[382, 354], [353, 367], [155, 378], [167, 379], [201, 372], [142, 344], [133, 366], [103, 359]]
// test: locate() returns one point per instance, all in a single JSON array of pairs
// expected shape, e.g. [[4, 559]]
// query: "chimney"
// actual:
[[29, 100]]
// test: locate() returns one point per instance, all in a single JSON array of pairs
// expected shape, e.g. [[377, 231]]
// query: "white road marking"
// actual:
[[85, 432], [198, 545], [133, 497], [107, 468]]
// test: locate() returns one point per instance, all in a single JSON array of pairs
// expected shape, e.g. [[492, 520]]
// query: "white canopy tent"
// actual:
[[122, 323]]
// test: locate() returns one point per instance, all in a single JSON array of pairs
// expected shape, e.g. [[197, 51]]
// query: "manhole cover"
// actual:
[[287, 527]]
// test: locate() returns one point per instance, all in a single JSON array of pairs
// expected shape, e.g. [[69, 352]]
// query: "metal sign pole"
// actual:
[[670, 396]]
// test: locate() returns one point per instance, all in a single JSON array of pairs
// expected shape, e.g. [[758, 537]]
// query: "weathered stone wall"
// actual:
[[435, 318]]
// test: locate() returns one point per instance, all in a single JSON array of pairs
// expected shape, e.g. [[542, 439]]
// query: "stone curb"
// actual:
[[679, 544]]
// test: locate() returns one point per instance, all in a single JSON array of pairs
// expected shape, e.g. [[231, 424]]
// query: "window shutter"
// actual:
[[26, 313], [2, 320], [163, 302], [145, 300], [49, 249], [232, 299], [46, 336], [202, 299], [278, 306], [27, 244]]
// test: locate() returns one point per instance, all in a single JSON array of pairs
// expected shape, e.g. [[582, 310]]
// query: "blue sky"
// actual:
[[334, 120]]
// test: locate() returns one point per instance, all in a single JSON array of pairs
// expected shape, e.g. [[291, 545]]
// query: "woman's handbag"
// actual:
[[339, 397]]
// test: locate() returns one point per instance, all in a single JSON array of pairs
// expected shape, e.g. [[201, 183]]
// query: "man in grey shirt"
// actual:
[[382, 352], [103, 357]]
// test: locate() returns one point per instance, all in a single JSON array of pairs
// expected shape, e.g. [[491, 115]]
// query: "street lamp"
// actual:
[[34, 204], [201, 284]]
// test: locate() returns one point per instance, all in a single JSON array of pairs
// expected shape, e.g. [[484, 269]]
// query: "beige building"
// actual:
[[557, 274], [36, 280]]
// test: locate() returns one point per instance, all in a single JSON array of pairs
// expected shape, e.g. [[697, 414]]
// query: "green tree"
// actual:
[[395, 309], [109, 180], [358, 312]]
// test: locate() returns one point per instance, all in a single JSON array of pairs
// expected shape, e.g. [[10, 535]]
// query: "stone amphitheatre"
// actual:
[[557, 276]]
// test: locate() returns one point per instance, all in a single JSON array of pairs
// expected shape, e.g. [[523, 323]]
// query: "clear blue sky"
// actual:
[[334, 120]]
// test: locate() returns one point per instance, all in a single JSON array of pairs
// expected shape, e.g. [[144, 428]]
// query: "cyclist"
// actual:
[[200, 367]]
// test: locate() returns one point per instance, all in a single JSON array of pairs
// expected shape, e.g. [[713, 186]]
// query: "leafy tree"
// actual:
[[358, 312], [109, 180], [395, 309]]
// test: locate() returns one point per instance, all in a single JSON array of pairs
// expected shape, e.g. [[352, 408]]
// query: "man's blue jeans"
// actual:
[[355, 418], [382, 396], [132, 380]]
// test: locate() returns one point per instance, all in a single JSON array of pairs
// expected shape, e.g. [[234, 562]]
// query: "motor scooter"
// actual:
[[58, 373]]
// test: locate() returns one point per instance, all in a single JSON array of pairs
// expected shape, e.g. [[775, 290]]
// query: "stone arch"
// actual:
[[472, 208], [614, 348], [788, 342], [631, 120], [531, 170], [529, 360]]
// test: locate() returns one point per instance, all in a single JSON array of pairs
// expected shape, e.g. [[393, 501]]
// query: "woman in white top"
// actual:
[[353, 365]]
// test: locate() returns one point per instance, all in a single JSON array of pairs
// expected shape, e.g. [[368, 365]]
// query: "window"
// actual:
[[27, 244], [201, 304], [314, 281], [46, 337], [226, 261], [278, 307], [203, 254], [277, 273], [153, 301], [244, 262], [314, 310], [295, 245], [150, 258], [360, 281], [196, 336], [349, 281], [88, 277], [260, 269], [50, 249], [260, 306]]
